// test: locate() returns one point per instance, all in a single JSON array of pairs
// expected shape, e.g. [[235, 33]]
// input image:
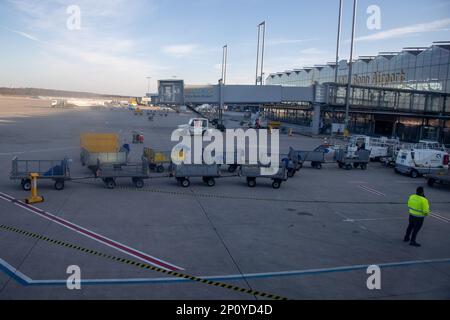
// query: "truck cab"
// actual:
[[196, 126]]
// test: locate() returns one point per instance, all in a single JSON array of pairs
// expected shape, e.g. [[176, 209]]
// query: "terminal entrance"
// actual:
[[384, 126]]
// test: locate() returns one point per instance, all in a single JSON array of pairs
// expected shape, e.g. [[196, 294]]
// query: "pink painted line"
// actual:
[[92, 235]]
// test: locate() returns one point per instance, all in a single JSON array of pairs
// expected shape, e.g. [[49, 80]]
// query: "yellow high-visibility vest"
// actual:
[[418, 206]]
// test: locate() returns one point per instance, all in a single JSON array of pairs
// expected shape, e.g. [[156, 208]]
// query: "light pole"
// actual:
[[224, 63], [261, 28], [350, 66], [338, 41], [263, 25]]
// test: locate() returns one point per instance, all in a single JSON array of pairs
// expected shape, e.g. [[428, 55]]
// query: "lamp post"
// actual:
[[338, 42], [259, 72], [350, 66], [224, 63], [263, 25]]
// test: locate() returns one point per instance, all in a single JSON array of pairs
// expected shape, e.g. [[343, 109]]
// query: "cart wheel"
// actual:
[[232, 168], [318, 166], [110, 183], [211, 182], [341, 165], [276, 184], [414, 174], [251, 182], [431, 182], [26, 184], [160, 169], [356, 165], [59, 184], [363, 166], [300, 165], [185, 183], [348, 167], [139, 183], [291, 173]]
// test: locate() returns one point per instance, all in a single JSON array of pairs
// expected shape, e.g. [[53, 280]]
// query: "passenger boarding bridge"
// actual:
[[373, 110]]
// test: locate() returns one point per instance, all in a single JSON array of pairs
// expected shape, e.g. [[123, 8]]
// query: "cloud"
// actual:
[[101, 57], [437, 25], [179, 50], [312, 51], [287, 41], [23, 34]]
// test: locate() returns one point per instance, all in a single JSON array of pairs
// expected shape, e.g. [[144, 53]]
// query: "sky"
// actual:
[[117, 44]]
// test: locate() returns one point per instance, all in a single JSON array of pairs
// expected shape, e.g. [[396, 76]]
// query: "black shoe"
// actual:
[[406, 239], [414, 244]]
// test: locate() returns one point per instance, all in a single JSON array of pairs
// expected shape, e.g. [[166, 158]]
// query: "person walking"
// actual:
[[419, 208]]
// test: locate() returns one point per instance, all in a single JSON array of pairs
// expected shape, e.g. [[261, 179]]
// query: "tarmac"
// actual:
[[311, 239]]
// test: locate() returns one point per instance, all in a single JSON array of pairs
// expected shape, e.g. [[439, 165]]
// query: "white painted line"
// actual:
[[437, 214], [440, 218], [371, 219], [25, 280], [368, 189]]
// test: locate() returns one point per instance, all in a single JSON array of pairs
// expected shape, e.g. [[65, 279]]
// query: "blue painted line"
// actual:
[[26, 281]]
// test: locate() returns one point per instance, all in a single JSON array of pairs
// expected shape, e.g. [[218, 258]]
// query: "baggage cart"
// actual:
[[361, 159], [56, 170], [441, 177], [251, 172], [110, 172], [208, 173], [299, 157], [91, 159], [101, 147], [157, 159]]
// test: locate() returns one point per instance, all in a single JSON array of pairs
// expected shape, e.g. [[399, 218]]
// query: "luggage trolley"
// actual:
[[109, 172], [56, 170], [157, 159], [251, 172], [208, 173], [298, 158], [360, 160]]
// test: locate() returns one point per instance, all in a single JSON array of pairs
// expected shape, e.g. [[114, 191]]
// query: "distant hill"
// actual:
[[55, 93]]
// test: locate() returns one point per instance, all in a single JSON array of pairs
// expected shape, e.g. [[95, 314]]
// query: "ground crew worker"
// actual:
[[419, 208]]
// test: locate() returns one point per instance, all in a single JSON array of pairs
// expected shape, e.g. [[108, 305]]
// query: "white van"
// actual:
[[196, 126], [416, 162]]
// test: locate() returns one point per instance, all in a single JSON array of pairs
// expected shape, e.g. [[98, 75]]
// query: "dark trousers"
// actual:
[[415, 223]]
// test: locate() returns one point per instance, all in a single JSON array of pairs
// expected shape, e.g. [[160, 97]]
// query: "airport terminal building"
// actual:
[[414, 82]]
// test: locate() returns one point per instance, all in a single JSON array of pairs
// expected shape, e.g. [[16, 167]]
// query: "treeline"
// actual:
[[55, 93]]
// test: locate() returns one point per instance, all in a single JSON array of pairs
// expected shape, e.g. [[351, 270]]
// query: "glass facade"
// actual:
[[414, 68]]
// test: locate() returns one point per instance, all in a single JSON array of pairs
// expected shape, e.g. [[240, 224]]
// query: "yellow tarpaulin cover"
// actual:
[[100, 142]]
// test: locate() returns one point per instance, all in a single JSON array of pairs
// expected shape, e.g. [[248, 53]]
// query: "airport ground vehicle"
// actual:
[[379, 147], [137, 136], [183, 173], [157, 159], [360, 159], [416, 162], [109, 172], [440, 177], [298, 158], [196, 126], [101, 147], [252, 172], [56, 170]]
